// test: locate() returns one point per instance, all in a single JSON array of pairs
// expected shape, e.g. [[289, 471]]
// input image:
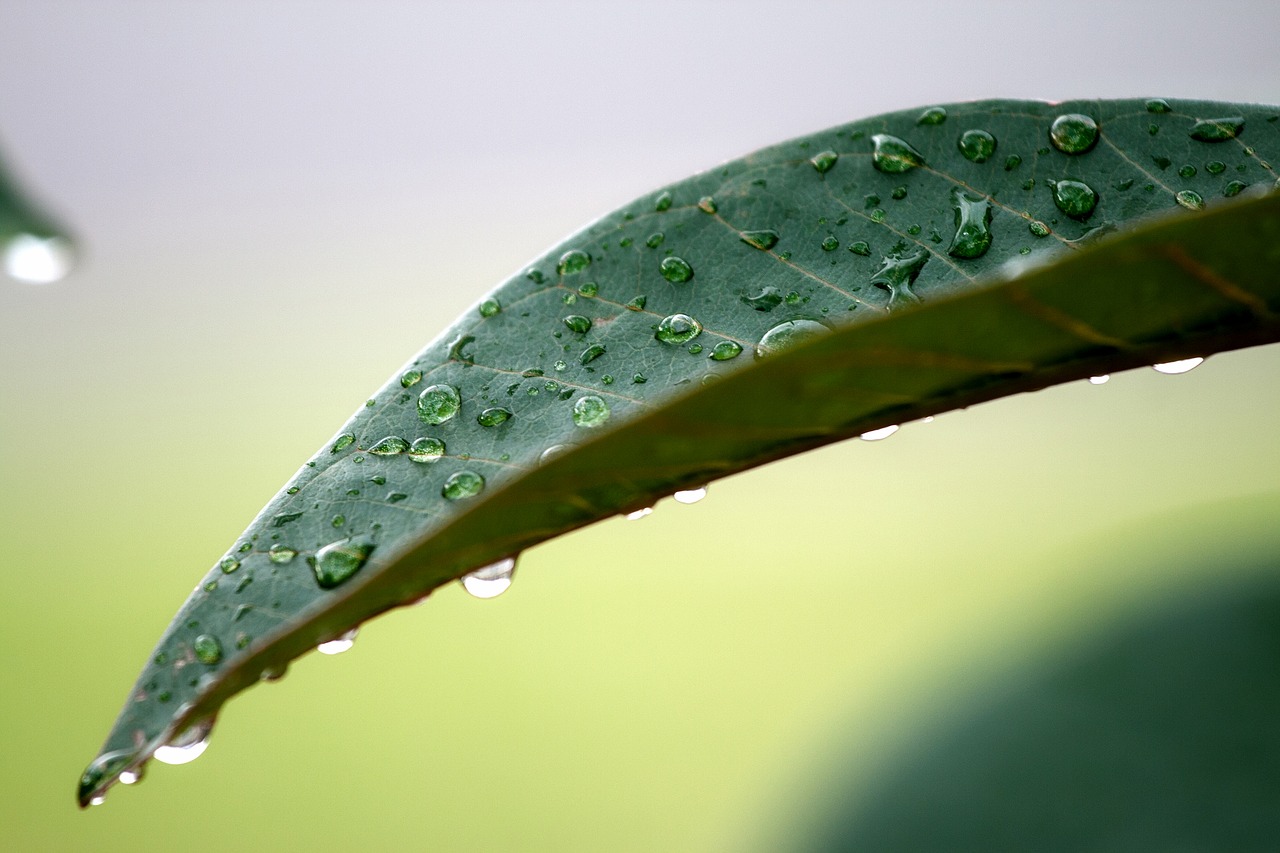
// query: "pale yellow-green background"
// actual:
[[279, 203]]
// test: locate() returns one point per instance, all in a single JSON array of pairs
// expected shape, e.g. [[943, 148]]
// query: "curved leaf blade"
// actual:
[[632, 345]]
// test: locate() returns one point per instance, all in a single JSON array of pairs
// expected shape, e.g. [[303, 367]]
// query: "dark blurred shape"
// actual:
[[34, 248], [1163, 737]]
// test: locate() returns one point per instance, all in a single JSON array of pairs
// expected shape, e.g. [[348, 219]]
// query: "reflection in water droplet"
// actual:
[[462, 484], [898, 272], [339, 644], [690, 496], [675, 270], [1073, 133], [342, 442], [1075, 199], [977, 145], [1173, 368], [1100, 380], [98, 800], [492, 580], [638, 514], [678, 329], [578, 323], [762, 240], [186, 747], [590, 412], [131, 777], [229, 565], [707, 204], [789, 334], [1217, 129], [877, 434], [973, 226], [37, 260], [336, 562], [893, 155], [438, 403]]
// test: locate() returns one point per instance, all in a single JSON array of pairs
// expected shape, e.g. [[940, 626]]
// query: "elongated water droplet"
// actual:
[[893, 155], [1158, 105], [789, 334], [639, 514], [675, 270], [763, 239], [932, 116], [977, 145], [726, 350], [339, 644], [426, 449], [1075, 198], [410, 378], [973, 226], [37, 260], [1100, 380], [336, 562], [438, 403], [1190, 199], [229, 565], [461, 485], [663, 202], [551, 452], [573, 261], [342, 442], [1173, 368], [1073, 133], [591, 353], [690, 496], [493, 416], [878, 434], [578, 323], [767, 299], [390, 446], [186, 747], [1217, 129], [823, 161], [897, 272], [678, 329], [491, 580], [590, 411], [281, 554]]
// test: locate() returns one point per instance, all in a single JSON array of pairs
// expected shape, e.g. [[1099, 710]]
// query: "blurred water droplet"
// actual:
[[789, 334], [878, 434], [678, 329], [491, 580], [690, 496], [131, 777], [1158, 105], [977, 145], [675, 270], [1073, 133], [339, 644], [461, 485], [893, 155], [551, 452], [590, 412], [1100, 380], [37, 260], [1217, 129], [707, 204], [1173, 368], [336, 562], [663, 202], [186, 747], [638, 514], [438, 403], [973, 226], [229, 565], [98, 800]]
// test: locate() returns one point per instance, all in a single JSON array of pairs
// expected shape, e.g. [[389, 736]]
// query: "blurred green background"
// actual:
[[278, 203]]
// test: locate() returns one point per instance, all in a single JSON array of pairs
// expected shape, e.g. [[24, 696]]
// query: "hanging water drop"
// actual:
[[339, 644], [1100, 380], [1173, 368], [188, 746], [878, 434], [491, 580], [639, 514], [893, 155], [438, 403], [131, 777], [37, 260], [690, 496]]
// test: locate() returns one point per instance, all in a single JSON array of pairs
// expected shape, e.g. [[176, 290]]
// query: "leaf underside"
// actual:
[[870, 274]]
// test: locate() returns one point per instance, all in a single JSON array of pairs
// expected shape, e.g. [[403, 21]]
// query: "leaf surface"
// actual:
[[851, 280]]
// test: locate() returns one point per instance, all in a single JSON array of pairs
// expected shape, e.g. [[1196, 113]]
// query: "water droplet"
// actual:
[[458, 346], [789, 334], [977, 145], [573, 261], [1190, 199], [932, 116], [898, 272], [578, 323], [973, 226], [830, 244], [338, 561], [551, 452], [655, 239], [1075, 199], [763, 239], [1233, 189], [229, 565], [186, 747], [639, 514], [877, 434], [426, 449], [1100, 380], [339, 644], [132, 777], [1073, 133], [1187, 171], [663, 202], [707, 204], [37, 260], [462, 484], [490, 308], [1038, 228], [1158, 105], [636, 304], [1215, 167], [824, 161], [281, 554], [1012, 162], [690, 496], [343, 442], [893, 155], [590, 411], [860, 248], [410, 378], [389, 446], [1173, 368], [767, 299], [675, 269], [491, 580], [493, 416], [678, 329], [589, 289], [438, 403], [725, 350], [1217, 129], [591, 353]]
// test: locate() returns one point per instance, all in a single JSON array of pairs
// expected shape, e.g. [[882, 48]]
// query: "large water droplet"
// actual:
[[573, 261], [461, 485], [893, 155], [763, 239], [1075, 198], [675, 270], [789, 334], [898, 272], [339, 644], [1217, 129], [37, 260], [1073, 133], [590, 411], [678, 329], [977, 145], [438, 403], [186, 747], [973, 226], [390, 446], [336, 562], [491, 580], [207, 649], [878, 434], [1173, 368], [426, 449], [690, 496]]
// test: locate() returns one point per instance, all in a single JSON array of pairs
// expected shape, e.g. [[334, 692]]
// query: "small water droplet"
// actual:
[[1100, 380], [1217, 129], [932, 116], [1158, 105], [725, 350], [789, 334], [131, 777], [426, 449], [830, 244], [763, 239], [690, 496], [707, 204], [663, 202], [491, 580], [824, 161], [390, 446], [590, 411], [1173, 368], [229, 565], [893, 155], [410, 378], [973, 226], [861, 247], [1075, 198], [655, 239], [578, 323], [1190, 199], [573, 261], [1012, 162], [207, 649], [1073, 133], [675, 269], [878, 434], [591, 353], [186, 747], [37, 260], [639, 514], [438, 403], [281, 554], [1215, 167], [898, 272], [678, 329], [551, 452], [1233, 189], [977, 145], [493, 416], [339, 644], [461, 485], [1038, 228], [490, 308], [343, 442], [589, 289], [1187, 171], [336, 562]]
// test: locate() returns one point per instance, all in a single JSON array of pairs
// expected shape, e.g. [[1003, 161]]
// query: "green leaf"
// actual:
[[852, 280]]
